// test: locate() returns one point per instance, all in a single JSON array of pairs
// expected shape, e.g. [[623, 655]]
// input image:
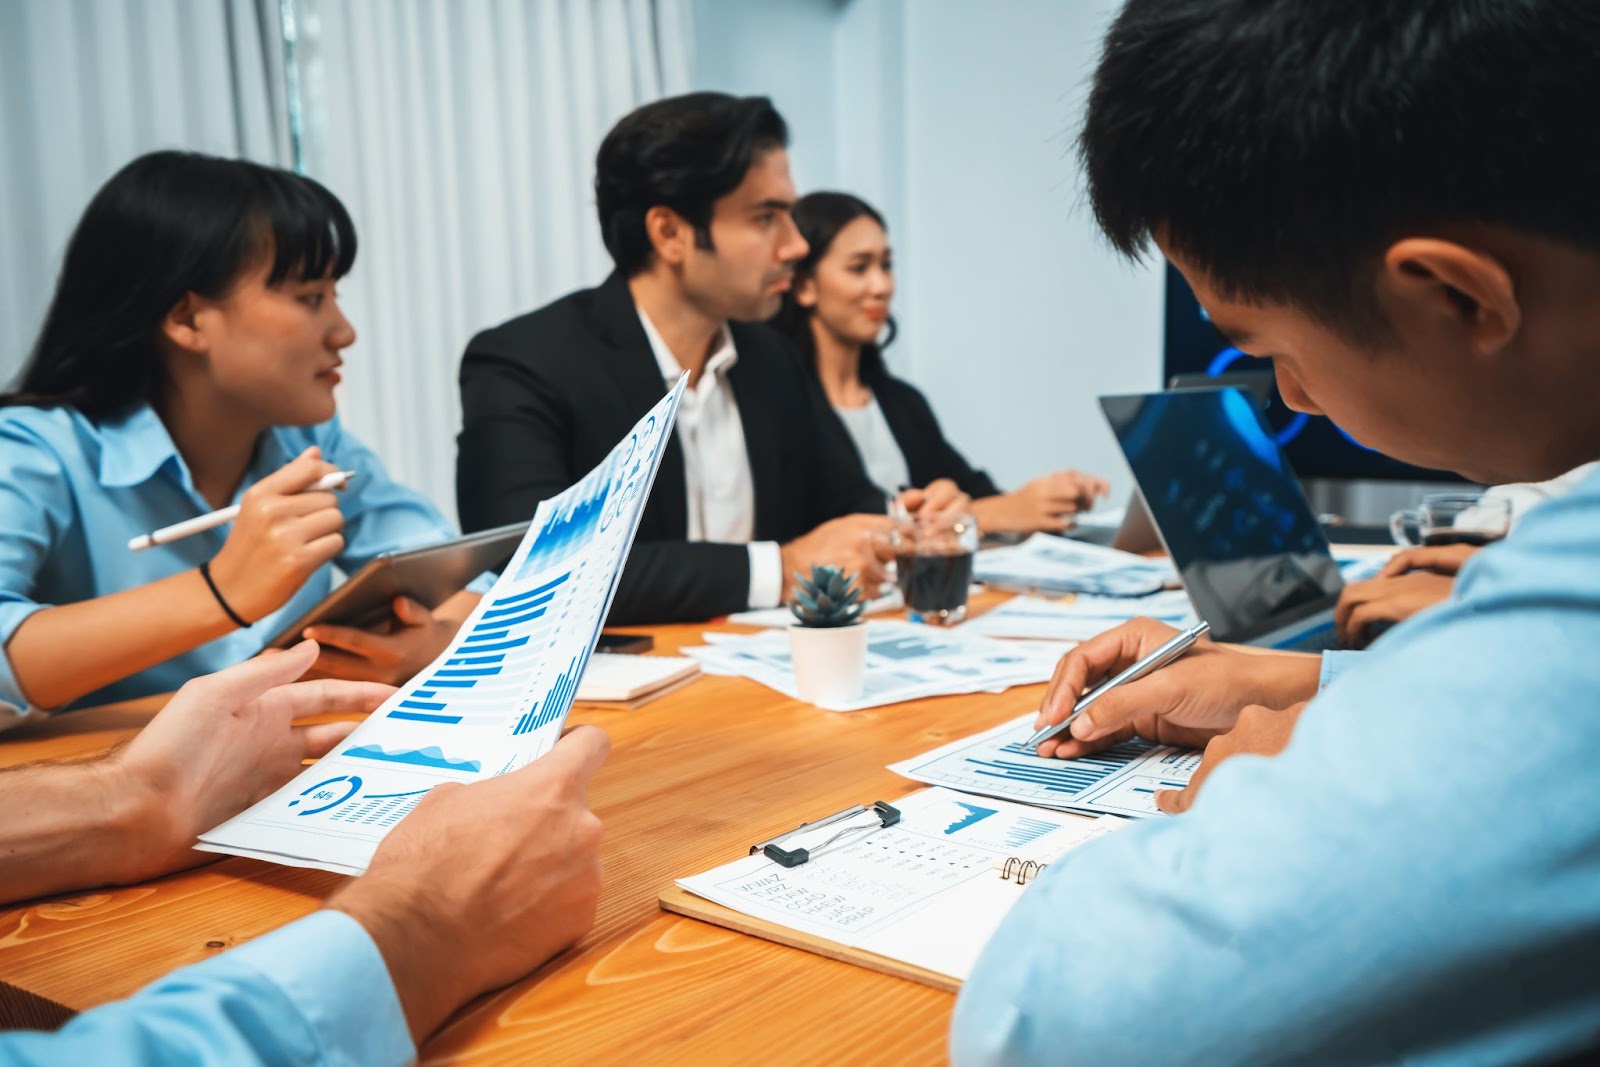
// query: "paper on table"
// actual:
[[1081, 617], [923, 891], [1058, 565], [495, 700], [1122, 780], [905, 661]]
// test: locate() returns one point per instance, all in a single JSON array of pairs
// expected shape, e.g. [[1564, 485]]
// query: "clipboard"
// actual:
[[930, 927], [682, 902]]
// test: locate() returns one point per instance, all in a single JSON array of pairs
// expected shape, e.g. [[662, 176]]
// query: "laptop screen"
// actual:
[[1229, 509]]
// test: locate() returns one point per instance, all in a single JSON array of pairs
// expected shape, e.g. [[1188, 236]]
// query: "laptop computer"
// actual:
[[1137, 533], [1231, 513]]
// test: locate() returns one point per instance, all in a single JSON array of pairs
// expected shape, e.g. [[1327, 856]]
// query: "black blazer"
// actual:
[[545, 396], [928, 454]]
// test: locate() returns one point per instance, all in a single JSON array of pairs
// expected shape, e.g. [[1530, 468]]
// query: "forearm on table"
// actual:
[[62, 653], [68, 826]]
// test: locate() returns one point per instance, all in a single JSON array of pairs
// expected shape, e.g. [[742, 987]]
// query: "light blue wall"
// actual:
[[956, 118]]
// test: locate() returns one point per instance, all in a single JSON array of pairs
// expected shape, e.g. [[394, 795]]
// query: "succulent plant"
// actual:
[[830, 597]]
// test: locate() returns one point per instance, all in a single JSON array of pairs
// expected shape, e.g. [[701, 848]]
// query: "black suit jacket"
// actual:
[[545, 396], [929, 455]]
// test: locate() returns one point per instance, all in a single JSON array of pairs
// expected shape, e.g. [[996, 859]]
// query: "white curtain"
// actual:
[[462, 136], [86, 85]]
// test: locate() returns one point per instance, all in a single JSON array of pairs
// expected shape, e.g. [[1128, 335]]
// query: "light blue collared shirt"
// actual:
[[315, 991], [1416, 878], [74, 492]]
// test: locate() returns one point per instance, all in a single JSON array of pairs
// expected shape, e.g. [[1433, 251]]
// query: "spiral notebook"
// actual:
[[916, 897]]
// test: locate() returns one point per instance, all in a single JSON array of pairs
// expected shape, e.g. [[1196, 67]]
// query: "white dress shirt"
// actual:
[[720, 492]]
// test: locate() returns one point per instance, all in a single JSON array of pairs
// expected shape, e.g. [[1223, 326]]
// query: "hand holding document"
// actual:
[[495, 700]]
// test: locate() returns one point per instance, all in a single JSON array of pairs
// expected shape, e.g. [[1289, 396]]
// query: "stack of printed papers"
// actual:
[[1050, 564], [1081, 617], [905, 661]]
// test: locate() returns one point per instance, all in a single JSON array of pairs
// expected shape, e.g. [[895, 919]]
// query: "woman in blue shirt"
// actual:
[[188, 361], [835, 315]]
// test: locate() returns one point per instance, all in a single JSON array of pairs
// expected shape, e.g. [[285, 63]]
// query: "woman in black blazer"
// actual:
[[835, 313]]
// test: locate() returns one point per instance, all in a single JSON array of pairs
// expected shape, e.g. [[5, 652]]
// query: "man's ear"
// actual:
[[181, 325], [670, 234], [1447, 283]]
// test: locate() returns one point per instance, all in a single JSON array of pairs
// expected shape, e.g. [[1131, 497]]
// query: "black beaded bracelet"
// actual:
[[205, 572]]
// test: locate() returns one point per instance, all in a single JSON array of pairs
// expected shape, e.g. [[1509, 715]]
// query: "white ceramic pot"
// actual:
[[830, 662]]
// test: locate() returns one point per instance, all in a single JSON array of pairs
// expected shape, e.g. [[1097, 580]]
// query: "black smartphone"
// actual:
[[624, 643]]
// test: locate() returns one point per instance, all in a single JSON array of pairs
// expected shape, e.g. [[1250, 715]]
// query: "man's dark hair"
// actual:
[[685, 153], [1280, 146]]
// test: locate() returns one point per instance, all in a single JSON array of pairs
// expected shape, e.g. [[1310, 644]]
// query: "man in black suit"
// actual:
[[757, 482]]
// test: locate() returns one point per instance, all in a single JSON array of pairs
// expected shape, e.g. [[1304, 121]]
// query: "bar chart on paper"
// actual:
[[495, 699], [1122, 780], [487, 672]]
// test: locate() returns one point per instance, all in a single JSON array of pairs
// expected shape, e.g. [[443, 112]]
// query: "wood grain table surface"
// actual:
[[694, 778]]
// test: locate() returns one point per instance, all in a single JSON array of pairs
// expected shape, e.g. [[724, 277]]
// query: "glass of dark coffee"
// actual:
[[1452, 519], [933, 566]]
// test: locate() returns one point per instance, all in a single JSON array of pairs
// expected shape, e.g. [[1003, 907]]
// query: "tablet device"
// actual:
[[430, 575]]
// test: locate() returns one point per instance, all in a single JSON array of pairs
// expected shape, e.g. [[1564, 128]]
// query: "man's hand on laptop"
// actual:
[[1188, 702]]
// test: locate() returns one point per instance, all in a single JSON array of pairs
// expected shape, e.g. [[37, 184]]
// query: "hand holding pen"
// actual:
[[287, 526], [1190, 701]]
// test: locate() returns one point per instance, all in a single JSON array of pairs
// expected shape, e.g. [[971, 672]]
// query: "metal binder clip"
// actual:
[[773, 849]]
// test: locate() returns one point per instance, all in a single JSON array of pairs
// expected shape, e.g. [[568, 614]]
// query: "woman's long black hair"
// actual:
[[820, 217], [165, 225]]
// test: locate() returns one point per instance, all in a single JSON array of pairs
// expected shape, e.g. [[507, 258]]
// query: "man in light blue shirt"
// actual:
[[449, 907], [1383, 200]]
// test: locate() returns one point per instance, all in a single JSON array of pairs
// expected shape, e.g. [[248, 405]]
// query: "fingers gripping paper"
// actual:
[[495, 700]]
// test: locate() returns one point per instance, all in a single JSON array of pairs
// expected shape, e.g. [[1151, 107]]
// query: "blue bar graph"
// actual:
[[472, 661], [1026, 831], [1070, 777], [570, 526], [481, 657], [420, 716], [498, 646], [556, 701]]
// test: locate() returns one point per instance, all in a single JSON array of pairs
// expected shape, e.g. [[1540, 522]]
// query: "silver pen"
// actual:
[[1153, 662]]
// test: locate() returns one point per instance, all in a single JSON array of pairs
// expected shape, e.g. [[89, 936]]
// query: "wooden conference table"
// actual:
[[694, 778]]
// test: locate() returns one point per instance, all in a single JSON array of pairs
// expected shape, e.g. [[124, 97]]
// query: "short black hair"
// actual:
[[1280, 146], [168, 224], [685, 153]]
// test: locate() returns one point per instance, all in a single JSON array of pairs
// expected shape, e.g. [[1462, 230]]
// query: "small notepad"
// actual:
[[617, 677]]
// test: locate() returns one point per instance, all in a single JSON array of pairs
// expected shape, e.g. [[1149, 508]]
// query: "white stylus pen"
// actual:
[[179, 530]]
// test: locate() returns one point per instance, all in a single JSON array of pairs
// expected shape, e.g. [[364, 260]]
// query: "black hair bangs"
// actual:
[[311, 233]]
